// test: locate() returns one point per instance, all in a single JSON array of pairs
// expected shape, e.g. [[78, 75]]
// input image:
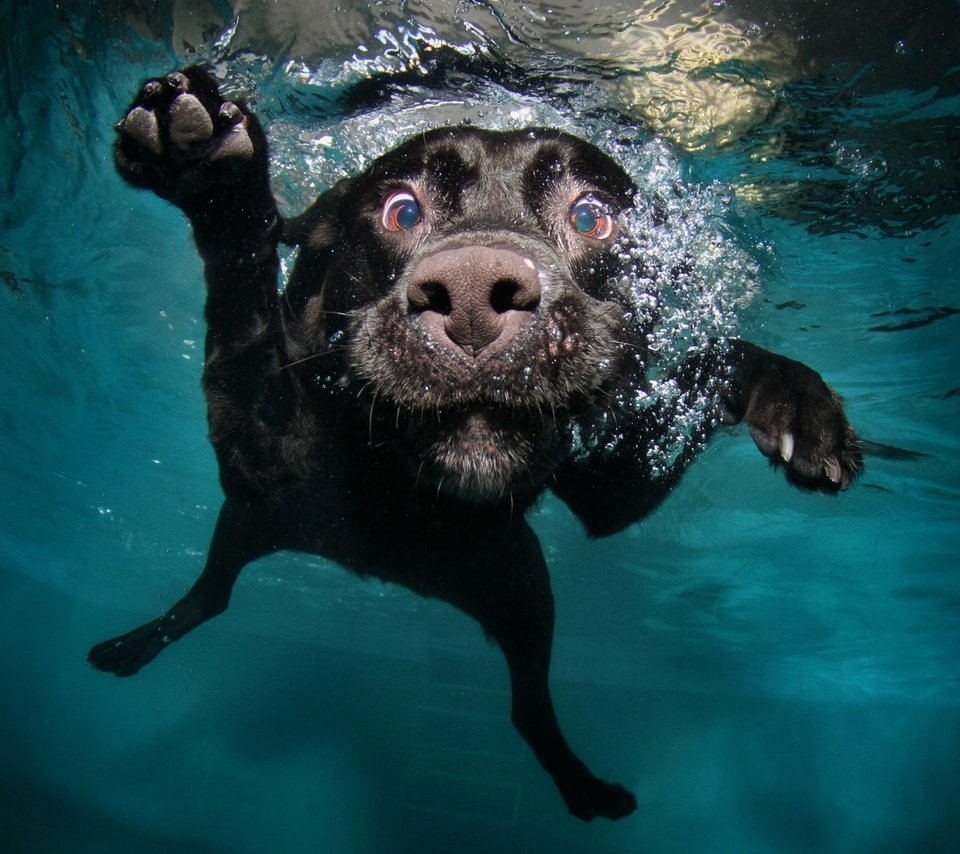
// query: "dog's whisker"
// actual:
[[373, 403], [329, 352]]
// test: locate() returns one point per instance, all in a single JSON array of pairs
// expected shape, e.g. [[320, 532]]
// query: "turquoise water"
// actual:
[[769, 671]]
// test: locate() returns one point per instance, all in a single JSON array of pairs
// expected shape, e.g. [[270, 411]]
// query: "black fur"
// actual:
[[418, 385]]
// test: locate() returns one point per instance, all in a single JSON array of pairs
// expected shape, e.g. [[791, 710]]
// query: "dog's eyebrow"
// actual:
[[449, 175], [595, 168], [403, 163], [542, 174], [587, 165]]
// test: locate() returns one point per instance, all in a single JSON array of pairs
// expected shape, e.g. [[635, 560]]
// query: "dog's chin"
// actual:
[[482, 456]]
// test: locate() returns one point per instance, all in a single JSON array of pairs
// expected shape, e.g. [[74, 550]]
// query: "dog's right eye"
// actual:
[[400, 211]]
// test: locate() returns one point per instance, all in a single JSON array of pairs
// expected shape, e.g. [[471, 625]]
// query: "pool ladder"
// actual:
[[466, 758]]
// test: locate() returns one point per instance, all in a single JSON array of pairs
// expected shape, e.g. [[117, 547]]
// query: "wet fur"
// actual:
[[356, 417]]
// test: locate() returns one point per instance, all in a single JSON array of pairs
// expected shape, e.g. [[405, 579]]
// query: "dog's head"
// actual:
[[465, 279]]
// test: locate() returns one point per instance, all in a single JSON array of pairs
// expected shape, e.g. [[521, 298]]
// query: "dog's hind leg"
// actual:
[[505, 585], [526, 644], [237, 540]]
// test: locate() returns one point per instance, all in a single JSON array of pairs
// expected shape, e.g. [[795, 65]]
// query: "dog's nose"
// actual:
[[474, 295]]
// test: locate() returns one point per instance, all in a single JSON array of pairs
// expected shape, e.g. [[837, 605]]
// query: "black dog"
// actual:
[[452, 343]]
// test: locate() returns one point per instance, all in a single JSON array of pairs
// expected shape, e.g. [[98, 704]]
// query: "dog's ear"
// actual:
[[319, 225], [317, 231]]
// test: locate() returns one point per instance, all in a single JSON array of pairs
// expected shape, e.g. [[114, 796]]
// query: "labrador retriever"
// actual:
[[454, 341]]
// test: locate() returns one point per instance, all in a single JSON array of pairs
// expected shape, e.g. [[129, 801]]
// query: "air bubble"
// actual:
[[874, 167], [690, 278]]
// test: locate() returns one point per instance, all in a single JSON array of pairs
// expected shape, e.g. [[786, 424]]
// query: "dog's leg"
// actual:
[[238, 539], [208, 156], [506, 587], [795, 418], [527, 648]]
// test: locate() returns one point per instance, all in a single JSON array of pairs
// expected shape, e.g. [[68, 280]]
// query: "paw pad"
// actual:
[[189, 122], [141, 126], [176, 128]]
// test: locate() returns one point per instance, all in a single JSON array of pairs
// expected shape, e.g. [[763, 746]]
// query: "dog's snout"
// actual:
[[474, 295]]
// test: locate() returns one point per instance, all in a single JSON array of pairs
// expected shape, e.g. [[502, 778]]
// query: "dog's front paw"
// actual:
[[179, 138], [799, 422]]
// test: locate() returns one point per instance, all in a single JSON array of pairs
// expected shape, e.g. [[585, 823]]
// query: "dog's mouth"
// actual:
[[482, 423], [482, 453], [486, 429]]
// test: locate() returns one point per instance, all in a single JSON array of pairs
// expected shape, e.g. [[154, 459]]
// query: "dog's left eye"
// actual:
[[592, 218], [401, 211]]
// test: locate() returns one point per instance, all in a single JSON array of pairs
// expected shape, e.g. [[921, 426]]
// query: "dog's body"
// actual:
[[451, 344]]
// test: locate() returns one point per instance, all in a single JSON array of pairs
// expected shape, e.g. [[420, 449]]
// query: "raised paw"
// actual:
[[179, 138]]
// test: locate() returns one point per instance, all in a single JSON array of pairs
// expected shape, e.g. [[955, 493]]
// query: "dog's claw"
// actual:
[[178, 80], [229, 114], [786, 447], [833, 471], [151, 91]]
